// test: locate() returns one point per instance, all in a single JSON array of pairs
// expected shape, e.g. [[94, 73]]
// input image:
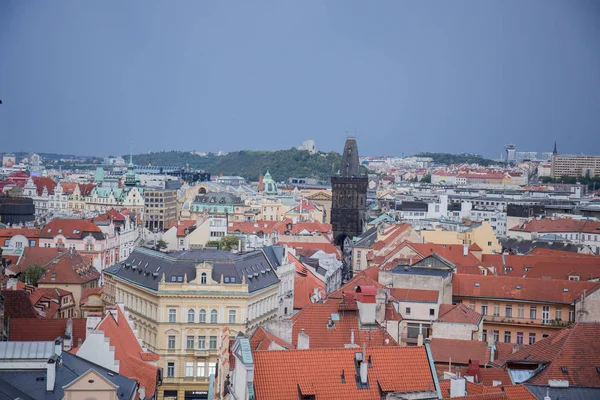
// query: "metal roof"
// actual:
[[26, 350]]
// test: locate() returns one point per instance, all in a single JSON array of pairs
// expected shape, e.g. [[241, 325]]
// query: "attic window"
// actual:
[[222, 201], [598, 370], [60, 231], [518, 287], [477, 284], [564, 369], [49, 230], [75, 231], [526, 269], [232, 279], [180, 279], [173, 279], [226, 279], [565, 290]]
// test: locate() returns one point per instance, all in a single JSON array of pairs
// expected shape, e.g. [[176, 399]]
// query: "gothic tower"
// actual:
[[349, 192]]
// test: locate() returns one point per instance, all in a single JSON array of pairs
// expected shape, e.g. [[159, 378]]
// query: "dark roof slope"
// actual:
[[45, 330]]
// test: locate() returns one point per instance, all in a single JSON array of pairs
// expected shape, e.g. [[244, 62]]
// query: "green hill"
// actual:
[[448, 159], [282, 164]]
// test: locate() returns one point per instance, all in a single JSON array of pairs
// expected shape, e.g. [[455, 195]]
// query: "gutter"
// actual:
[[432, 368]]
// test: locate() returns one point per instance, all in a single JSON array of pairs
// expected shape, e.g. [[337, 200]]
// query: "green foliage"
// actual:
[[282, 164], [228, 242], [426, 178], [448, 159], [32, 274], [161, 245], [592, 183], [212, 244]]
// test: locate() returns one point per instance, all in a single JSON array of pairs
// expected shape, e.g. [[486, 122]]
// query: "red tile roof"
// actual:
[[314, 318], [128, 351], [42, 182], [70, 228], [459, 313], [29, 329], [475, 247], [310, 247], [29, 233], [280, 374], [527, 289], [183, 227], [48, 301], [487, 376], [262, 339], [305, 284], [472, 388], [415, 295], [368, 276], [548, 225], [461, 351], [572, 348], [17, 305]]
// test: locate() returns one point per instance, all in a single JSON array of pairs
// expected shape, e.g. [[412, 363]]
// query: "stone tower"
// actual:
[[349, 195]]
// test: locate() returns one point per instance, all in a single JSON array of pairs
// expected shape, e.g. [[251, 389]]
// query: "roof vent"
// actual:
[[564, 369], [518, 287], [565, 290], [155, 274], [477, 284], [133, 266]]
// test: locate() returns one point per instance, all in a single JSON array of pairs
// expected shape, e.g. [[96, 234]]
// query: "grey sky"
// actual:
[[93, 77]]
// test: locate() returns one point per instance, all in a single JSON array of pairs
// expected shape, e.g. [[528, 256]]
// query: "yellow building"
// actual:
[[181, 302], [482, 234]]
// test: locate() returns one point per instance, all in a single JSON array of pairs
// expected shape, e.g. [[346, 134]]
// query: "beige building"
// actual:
[[323, 199], [180, 303], [481, 234], [575, 166], [160, 209]]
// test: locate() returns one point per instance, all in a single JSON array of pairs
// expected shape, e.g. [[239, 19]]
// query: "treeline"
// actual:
[[448, 159], [282, 164], [591, 182]]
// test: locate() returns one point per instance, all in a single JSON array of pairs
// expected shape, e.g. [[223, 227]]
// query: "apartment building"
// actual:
[[519, 310], [179, 303], [575, 166], [160, 206]]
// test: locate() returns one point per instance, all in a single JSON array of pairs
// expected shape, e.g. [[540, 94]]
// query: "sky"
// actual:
[[107, 77]]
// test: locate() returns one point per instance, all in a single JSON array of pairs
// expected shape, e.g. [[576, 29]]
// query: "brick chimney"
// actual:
[[367, 304], [303, 340]]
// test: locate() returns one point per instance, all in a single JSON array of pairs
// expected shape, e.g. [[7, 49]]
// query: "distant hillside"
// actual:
[[282, 164], [446, 158]]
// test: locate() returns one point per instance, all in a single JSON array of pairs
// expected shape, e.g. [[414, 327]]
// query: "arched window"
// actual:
[[203, 278], [190, 316], [202, 317], [213, 317]]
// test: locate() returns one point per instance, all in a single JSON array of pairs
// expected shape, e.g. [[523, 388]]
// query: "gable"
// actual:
[[90, 381]]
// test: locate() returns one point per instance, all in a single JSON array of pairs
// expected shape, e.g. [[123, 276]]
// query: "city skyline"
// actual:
[[466, 77]]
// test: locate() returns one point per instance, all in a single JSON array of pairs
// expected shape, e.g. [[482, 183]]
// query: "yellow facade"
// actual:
[[482, 235], [439, 236], [182, 322]]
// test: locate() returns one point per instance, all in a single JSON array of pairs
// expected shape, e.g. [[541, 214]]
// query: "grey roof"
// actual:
[[26, 350], [274, 254], [31, 384], [571, 393], [150, 266], [218, 198], [522, 246], [367, 238], [411, 206], [408, 270]]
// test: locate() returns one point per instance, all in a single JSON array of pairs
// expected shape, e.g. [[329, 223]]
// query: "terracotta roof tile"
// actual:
[[86, 292], [529, 289], [29, 233], [548, 225], [368, 276], [70, 228], [42, 182], [17, 305], [29, 329], [415, 295], [459, 313], [262, 339], [459, 351], [279, 374]]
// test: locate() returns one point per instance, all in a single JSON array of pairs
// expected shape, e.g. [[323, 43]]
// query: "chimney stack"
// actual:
[[420, 339], [58, 346], [68, 342], [465, 250], [458, 387], [51, 373], [303, 340], [351, 336], [364, 365]]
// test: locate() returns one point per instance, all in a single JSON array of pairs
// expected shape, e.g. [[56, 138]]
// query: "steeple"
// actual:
[[350, 166], [555, 152], [130, 175]]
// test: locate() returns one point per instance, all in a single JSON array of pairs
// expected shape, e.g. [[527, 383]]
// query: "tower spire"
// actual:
[[555, 152]]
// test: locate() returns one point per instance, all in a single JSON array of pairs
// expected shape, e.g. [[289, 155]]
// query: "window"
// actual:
[[490, 244], [202, 317], [172, 315], [170, 370], [558, 314], [496, 310], [545, 314], [571, 315], [189, 369], [407, 310], [53, 275], [484, 308], [213, 342], [190, 316], [431, 311], [472, 305], [519, 337], [232, 316], [506, 336], [190, 342], [484, 335], [201, 342], [213, 317], [203, 278], [171, 344], [532, 312], [521, 311], [531, 338], [212, 368], [508, 310], [89, 247], [496, 336], [201, 371]]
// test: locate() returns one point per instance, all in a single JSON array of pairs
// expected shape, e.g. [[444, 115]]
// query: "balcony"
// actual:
[[526, 321]]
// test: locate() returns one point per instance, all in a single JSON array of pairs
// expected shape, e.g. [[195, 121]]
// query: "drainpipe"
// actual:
[[432, 368]]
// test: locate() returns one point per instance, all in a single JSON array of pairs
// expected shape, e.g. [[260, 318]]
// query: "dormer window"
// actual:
[[203, 278]]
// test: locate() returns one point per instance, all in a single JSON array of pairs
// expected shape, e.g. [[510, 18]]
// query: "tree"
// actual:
[[426, 178], [229, 242], [161, 245], [32, 274]]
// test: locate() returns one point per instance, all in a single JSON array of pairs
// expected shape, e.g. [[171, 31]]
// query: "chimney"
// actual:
[[260, 183], [465, 250], [68, 342], [420, 339], [51, 373], [351, 336], [366, 303], [303, 340], [458, 387], [547, 397], [492, 353], [58, 343], [364, 365]]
